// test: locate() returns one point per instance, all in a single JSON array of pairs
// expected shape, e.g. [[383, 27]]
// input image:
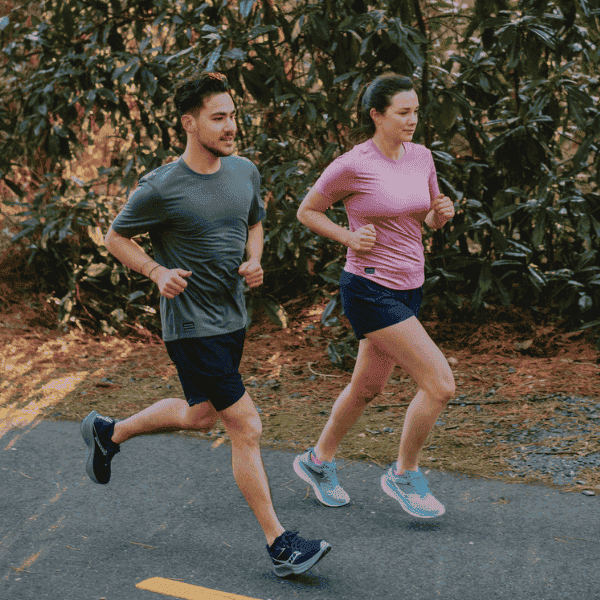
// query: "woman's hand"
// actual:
[[442, 210], [363, 239]]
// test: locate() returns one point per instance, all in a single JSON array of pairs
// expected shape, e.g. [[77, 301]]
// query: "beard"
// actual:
[[218, 152]]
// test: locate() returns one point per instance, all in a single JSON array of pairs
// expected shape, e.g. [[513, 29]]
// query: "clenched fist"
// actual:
[[363, 239], [170, 282], [253, 273], [443, 210]]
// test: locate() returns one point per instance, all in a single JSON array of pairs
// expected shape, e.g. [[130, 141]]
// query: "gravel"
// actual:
[[547, 458]]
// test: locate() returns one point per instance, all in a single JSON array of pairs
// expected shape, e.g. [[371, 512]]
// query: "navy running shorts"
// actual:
[[370, 306], [208, 368]]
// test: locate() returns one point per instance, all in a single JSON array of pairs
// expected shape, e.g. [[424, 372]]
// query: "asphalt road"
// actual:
[[173, 510]]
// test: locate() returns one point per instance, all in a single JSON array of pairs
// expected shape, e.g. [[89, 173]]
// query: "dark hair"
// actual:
[[191, 93], [378, 95]]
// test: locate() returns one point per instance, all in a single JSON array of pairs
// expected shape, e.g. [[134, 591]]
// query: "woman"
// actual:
[[389, 188]]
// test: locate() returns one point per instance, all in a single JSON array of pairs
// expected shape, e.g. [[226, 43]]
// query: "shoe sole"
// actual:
[[390, 492], [87, 432], [306, 477], [287, 570]]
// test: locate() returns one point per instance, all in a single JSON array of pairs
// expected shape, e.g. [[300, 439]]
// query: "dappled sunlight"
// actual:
[[39, 370], [13, 366], [39, 373], [28, 416]]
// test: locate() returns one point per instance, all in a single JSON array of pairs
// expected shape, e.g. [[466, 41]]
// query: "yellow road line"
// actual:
[[177, 589]]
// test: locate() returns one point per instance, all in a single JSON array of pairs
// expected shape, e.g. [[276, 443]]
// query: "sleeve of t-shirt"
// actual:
[[434, 188], [257, 208], [336, 182], [143, 211]]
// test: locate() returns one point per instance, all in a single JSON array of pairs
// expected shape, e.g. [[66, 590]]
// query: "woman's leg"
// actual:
[[371, 372], [410, 346]]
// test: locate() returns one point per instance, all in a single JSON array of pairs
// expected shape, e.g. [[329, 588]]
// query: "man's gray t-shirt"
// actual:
[[198, 223]]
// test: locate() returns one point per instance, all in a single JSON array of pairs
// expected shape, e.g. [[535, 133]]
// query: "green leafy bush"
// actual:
[[509, 95]]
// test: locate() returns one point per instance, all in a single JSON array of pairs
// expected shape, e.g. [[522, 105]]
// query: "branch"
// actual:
[[321, 374], [424, 80]]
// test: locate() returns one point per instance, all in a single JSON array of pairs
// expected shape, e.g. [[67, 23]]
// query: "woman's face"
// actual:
[[398, 122]]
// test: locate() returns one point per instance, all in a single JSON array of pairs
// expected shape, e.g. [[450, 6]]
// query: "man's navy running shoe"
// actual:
[[97, 431], [292, 555]]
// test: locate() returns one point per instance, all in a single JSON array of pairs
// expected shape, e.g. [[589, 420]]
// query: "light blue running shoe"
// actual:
[[412, 492], [323, 479]]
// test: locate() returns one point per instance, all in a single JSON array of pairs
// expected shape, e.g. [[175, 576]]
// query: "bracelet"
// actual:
[[153, 269], [142, 267]]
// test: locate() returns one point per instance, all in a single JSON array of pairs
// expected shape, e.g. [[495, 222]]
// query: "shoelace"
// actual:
[[328, 470], [111, 451], [331, 478], [289, 539], [419, 483]]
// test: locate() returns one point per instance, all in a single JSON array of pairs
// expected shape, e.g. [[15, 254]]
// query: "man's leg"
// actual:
[[103, 435], [171, 414], [244, 427]]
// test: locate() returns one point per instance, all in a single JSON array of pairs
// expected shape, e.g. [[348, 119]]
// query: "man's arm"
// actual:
[[251, 269], [170, 282], [255, 243], [128, 252]]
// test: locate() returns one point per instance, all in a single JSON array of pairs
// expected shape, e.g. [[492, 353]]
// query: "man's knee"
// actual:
[[243, 423], [247, 432]]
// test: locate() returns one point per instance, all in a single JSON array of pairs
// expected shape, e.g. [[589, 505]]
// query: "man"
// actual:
[[201, 212]]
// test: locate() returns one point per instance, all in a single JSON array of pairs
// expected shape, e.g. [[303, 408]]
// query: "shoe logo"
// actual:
[[107, 419], [294, 556], [99, 444], [317, 474]]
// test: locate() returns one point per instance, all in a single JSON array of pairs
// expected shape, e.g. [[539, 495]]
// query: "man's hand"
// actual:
[[443, 210], [170, 282], [253, 273]]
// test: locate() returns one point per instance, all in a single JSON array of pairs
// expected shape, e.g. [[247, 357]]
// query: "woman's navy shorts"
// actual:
[[208, 368], [370, 306]]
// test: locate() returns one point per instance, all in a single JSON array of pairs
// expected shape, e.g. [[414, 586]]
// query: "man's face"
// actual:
[[214, 126]]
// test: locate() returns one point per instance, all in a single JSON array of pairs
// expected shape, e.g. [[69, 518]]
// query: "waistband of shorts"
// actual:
[[410, 281]]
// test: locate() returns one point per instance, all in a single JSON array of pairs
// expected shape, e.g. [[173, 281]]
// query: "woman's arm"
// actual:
[[442, 210], [311, 213]]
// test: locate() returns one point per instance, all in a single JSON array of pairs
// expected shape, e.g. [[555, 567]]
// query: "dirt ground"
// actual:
[[510, 374]]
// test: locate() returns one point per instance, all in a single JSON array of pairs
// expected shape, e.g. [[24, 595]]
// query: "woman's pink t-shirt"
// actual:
[[395, 196]]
